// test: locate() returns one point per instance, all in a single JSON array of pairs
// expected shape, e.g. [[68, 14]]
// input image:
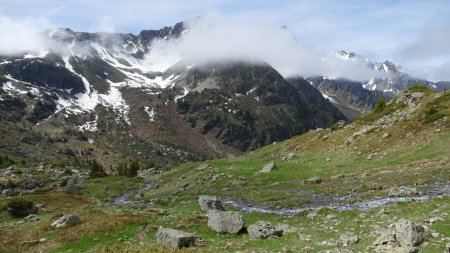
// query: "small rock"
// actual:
[[202, 167], [285, 228], [225, 221], [311, 215], [268, 168], [313, 180], [262, 230], [407, 249], [174, 238], [66, 221], [348, 238], [447, 248], [31, 218], [386, 135], [304, 237], [208, 203], [42, 240], [434, 220], [330, 216], [435, 235]]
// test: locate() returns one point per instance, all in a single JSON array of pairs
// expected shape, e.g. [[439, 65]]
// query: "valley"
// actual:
[[351, 187]]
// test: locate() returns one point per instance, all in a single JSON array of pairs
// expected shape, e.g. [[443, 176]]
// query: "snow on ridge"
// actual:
[[329, 98], [151, 113], [90, 126], [185, 92]]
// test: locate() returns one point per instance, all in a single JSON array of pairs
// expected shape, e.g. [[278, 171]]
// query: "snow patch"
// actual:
[[329, 98], [151, 113], [90, 126]]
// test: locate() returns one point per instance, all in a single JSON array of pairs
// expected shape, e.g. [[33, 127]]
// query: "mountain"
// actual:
[[362, 187], [358, 97], [115, 96]]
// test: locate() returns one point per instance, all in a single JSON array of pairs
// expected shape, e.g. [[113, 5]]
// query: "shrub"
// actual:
[[379, 106], [19, 207], [129, 170], [96, 169]]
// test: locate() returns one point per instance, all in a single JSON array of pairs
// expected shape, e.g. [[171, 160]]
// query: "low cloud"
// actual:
[[432, 42], [22, 35], [216, 39]]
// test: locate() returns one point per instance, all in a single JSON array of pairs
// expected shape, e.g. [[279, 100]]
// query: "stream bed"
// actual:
[[338, 203]]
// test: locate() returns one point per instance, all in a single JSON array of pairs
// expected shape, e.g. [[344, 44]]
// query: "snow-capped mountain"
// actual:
[[392, 78], [121, 94], [358, 97]]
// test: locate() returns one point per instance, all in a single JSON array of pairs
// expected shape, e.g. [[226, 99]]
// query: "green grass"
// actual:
[[415, 154]]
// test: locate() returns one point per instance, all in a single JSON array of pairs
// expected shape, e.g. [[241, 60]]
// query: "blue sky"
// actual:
[[404, 31]]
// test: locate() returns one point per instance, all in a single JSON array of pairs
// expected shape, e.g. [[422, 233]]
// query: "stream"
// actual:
[[124, 199], [436, 191], [336, 202]]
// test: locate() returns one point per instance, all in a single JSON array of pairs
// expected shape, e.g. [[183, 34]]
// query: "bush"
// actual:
[[19, 207], [96, 169], [129, 170], [379, 106]]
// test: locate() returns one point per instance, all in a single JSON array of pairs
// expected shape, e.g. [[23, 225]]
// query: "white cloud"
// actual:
[[22, 35], [219, 39], [106, 24]]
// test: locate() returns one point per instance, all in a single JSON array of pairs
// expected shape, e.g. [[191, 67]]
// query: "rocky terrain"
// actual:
[[379, 184], [108, 97]]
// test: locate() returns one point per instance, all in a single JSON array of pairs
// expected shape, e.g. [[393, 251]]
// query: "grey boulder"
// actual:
[[263, 229], [66, 221], [225, 221], [174, 238], [268, 168], [208, 203], [409, 234]]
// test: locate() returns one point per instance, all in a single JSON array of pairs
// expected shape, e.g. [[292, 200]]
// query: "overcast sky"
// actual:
[[412, 33]]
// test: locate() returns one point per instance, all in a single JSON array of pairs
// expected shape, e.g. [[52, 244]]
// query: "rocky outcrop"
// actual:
[[44, 73], [174, 238], [263, 229], [225, 221], [409, 234], [403, 236]]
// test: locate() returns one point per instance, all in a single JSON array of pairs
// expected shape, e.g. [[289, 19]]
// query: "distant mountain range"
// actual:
[[103, 92]]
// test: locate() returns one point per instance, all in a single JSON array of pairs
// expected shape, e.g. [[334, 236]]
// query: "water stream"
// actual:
[[124, 199], [337, 203]]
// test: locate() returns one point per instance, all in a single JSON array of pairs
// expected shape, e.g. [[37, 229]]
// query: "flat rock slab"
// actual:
[[225, 221], [174, 238], [268, 168], [66, 221]]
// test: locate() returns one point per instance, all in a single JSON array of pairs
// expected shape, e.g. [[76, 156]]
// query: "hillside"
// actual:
[[330, 186], [112, 94]]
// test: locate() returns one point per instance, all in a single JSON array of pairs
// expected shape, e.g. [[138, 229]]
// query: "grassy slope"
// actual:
[[414, 153]]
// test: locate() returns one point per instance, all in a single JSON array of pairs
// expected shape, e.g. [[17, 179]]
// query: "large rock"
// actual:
[[286, 229], [263, 229], [66, 221], [208, 203], [268, 168], [225, 221], [409, 234], [402, 237], [174, 238]]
